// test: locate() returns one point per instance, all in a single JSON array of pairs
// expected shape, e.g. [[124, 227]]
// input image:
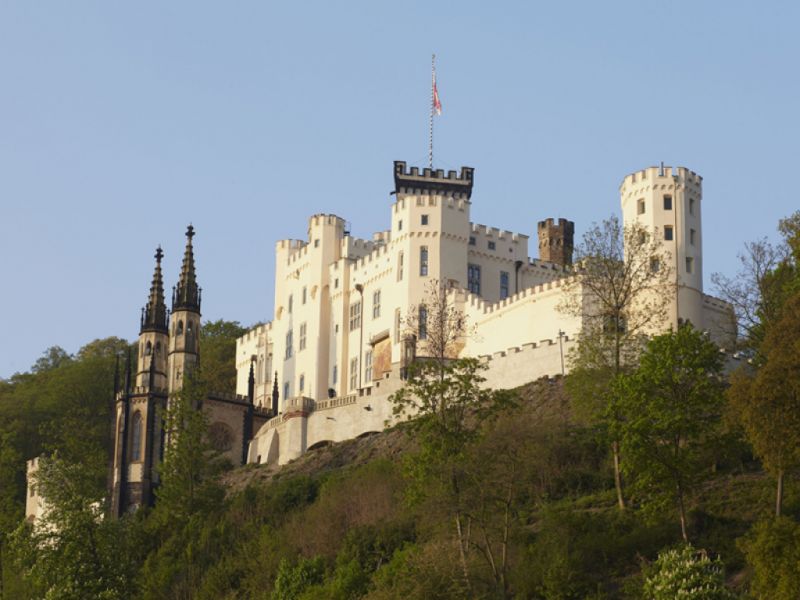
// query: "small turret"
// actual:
[[154, 315], [556, 241], [186, 295]]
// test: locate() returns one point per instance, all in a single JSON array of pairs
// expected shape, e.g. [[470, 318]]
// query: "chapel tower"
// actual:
[[138, 440], [184, 349]]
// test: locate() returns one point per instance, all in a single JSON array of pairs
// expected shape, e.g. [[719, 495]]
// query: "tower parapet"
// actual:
[[409, 180], [556, 241]]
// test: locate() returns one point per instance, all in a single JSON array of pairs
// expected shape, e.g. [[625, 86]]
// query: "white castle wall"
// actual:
[[527, 317]]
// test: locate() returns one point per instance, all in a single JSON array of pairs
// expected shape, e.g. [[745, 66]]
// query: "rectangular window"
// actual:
[[423, 260], [655, 265], [302, 344], [640, 206], [335, 375], [305, 294], [376, 304], [503, 284], [691, 237], [420, 201], [472, 240], [424, 219], [289, 344], [301, 386], [355, 316], [291, 303], [353, 373], [474, 279], [492, 245], [691, 206], [316, 243], [368, 366], [667, 202], [668, 233], [285, 390], [396, 325], [400, 260], [689, 264], [423, 322], [336, 283], [400, 225]]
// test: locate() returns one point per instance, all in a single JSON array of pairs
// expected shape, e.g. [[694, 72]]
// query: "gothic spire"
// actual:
[[186, 295], [154, 315]]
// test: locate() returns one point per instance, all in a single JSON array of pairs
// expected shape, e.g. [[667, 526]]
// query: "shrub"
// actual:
[[686, 573]]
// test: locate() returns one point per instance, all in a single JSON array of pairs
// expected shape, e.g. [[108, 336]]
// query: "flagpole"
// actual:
[[433, 100]]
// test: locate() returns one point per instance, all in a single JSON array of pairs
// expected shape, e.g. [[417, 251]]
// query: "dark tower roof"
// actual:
[[154, 315], [186, 295]]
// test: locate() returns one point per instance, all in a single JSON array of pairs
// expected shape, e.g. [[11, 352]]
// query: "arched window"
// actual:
[[136, 436], [158, 348], [180, 328], [148, 349]]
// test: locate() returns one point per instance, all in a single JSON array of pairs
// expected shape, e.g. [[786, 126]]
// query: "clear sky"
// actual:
[[121, 122]]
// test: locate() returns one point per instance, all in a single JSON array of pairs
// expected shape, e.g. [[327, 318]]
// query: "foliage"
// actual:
[[767, 402], [188, 485], [772, 549], [218, 354], [671, 407], [685, 572], [293, 580], [620, 292], [73, 552]]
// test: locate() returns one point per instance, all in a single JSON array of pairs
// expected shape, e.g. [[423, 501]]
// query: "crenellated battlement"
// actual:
[[322, 219], [255, 332], [378, 251], [411, 181], [493, 232], [655, 175], [487, 308], [289, 245]]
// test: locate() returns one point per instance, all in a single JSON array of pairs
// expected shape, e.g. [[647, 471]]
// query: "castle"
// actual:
[[335, 350], [323, 369]]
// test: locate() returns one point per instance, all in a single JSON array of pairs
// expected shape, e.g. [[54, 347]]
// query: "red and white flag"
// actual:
[[437, 105]]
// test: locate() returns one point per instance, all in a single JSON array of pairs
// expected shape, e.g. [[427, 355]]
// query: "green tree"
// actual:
[[188, 474], [772, 550], [73, 552], [448, 407], [621, 291], [671, 407], [218, 354], [687, 573], [52, 358], [767, 402], [185, 534]]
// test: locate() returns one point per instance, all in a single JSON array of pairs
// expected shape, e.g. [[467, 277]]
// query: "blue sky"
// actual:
[[122, 122]]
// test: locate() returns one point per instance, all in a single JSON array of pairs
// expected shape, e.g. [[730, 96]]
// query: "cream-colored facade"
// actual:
[[331, 355]]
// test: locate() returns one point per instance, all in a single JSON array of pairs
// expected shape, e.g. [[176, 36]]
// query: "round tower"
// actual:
[[184, 329], [667, 201], [151, 362]]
